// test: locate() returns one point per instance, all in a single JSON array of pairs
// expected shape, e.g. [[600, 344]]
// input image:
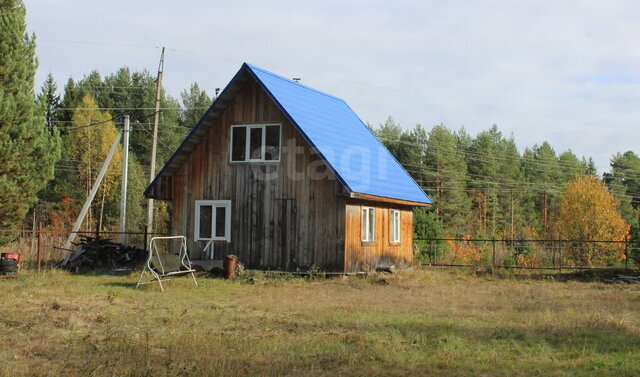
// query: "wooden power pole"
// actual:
[[125, 173], [154, 143]]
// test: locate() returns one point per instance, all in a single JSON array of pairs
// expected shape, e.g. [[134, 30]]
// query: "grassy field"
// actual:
[[433, 323]]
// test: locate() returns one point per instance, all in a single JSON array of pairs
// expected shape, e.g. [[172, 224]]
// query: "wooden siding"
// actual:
[[281, 223], [363, 256]]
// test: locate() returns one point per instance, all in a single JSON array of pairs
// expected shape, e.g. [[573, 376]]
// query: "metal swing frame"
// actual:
[[167, 266]]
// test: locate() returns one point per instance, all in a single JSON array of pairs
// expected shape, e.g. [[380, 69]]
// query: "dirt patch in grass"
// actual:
[[420, 323]]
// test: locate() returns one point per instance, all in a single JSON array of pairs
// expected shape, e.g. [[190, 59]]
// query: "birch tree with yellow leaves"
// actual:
[[88, 142], [589, 212]]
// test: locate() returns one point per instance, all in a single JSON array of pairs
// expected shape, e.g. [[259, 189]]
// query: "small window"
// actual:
[[368, 224], [205, 217], [255, 143], [221, 222], [213, 220], [238, 147], [272, 143], [394, 226]]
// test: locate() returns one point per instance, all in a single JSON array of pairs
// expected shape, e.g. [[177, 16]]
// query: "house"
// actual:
[[284, 177]]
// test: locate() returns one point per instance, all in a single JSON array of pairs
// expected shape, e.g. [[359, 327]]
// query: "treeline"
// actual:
[[87, 117], [53, 143], [484, 187]]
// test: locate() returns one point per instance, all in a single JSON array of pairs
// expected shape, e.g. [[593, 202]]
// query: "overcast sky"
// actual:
[[563, 71]]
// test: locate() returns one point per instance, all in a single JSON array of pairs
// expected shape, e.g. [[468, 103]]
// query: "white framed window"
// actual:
[[394, 226], [368, 224], [213, 220], [255, 143]]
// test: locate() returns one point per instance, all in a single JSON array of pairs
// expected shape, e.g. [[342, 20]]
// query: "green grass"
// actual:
[[421, 323]]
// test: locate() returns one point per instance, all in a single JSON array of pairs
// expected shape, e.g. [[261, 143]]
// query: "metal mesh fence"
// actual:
[[528, 254]]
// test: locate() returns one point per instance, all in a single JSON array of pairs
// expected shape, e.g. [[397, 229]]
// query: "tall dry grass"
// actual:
[[420, 323]]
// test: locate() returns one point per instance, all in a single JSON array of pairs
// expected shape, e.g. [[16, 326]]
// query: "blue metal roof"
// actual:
[[358, 160], [350, 149]]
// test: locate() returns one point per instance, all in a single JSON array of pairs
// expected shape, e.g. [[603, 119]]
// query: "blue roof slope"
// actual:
[[354, 154]]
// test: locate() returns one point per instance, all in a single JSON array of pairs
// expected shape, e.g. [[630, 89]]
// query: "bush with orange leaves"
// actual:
[[61, 218], [589, 212], [464, 251], [531, 260]]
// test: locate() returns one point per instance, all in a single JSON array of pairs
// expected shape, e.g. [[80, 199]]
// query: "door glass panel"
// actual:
[[365, 233], [238, 144], [272, 147], [255, 143], [395, 237], [371, 224], [205, 222], [220, 221], [392, 228]]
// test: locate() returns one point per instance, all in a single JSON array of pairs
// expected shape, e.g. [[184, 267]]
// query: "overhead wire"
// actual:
[[539, 166], [508, 162]]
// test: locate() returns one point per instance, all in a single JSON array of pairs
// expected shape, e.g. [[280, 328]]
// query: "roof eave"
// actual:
[[359, 195], [217, 103]]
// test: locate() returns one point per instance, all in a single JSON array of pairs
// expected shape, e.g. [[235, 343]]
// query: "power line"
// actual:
[[133, 124], [508, 162], [128, 108], [100, 43], [106, 86]]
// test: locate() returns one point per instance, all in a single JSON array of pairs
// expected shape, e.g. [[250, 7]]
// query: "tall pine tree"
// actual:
[[194, 103], [446, 179], [27, 151], [49, 101], [510, 195], [544, 177], [483, 161]]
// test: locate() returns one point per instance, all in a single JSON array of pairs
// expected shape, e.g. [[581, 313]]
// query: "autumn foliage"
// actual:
[[589, 212], [464, 251], [531, 260]]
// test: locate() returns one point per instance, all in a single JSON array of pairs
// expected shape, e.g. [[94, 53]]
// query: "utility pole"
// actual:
[[154, 143], [125, 173]]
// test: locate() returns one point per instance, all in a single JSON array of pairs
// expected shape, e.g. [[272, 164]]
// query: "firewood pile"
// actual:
[[101, 253]]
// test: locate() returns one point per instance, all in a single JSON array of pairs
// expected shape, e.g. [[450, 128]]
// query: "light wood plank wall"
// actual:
[[361, 256]]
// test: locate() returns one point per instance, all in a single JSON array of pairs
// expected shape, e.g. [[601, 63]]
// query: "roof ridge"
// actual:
[[280, 77]]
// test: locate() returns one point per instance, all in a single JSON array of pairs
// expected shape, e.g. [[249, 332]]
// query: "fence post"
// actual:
[[493, 241], [434, 252], [560, 258], [146, 236], [39, 254], [626, 254], [434, 249]]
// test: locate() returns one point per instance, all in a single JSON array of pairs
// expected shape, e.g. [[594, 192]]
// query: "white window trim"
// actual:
[[247, 144], [227, 221], [392, 226], [365, 224]]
